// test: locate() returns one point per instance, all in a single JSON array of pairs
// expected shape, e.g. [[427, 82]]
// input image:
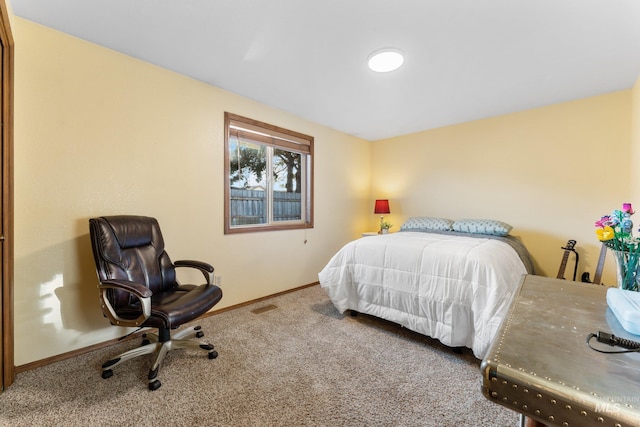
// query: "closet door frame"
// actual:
[[7, 364]]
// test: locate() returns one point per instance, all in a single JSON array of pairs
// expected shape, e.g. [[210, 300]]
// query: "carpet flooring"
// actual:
[[292, 360]]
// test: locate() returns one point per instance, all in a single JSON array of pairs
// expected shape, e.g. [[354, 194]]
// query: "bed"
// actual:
[[450, 280]]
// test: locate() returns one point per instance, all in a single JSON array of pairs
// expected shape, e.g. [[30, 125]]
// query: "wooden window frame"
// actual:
[[274, 136]]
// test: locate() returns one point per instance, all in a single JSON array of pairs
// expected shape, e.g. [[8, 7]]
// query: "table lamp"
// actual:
[[381, 208]]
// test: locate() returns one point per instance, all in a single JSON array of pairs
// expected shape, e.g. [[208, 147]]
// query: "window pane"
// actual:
[[287, 185], [247, 178]]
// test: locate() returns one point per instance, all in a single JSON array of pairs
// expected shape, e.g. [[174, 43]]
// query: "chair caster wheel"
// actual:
[[154, 385], [107, 374], [199, 334], [213, 354]]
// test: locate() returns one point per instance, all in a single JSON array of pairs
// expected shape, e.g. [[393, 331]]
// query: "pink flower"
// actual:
[[603, 222], [626, 208]]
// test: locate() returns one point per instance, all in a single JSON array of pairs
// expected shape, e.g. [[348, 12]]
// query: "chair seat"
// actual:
[[173, 308]]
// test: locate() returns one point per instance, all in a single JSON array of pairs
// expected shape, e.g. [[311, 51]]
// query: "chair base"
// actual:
[[160, 344]]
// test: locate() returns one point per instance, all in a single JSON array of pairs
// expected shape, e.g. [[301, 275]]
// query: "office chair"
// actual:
[[138, 288]]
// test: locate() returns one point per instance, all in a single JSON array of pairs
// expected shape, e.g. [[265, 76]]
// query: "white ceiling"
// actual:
[[464, 59]]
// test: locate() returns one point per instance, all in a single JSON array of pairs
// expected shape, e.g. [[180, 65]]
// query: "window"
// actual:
[[268, 177]]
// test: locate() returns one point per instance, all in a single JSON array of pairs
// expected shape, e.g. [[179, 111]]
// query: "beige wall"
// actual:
[[550, 172], [96, 133]]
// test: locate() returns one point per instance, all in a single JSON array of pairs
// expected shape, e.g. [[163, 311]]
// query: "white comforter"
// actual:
[[456, 289]]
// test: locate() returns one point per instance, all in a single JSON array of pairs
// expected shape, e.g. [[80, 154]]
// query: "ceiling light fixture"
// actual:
[[385, 60]]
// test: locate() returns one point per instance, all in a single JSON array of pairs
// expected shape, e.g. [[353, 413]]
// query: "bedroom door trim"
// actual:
[[7, 364]]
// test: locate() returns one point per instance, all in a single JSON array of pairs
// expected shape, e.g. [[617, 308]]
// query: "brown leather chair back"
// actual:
[[131, 248]]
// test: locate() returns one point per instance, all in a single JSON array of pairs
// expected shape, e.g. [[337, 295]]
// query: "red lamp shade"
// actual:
[[382, 207]]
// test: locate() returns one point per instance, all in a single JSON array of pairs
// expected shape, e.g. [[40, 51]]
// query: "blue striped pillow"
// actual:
[[425, 223], [482, 226]]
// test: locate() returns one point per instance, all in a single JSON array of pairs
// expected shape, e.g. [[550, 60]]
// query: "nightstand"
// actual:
[[370, 233]]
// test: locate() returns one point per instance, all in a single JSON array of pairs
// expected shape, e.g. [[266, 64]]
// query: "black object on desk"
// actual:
[[541, 366]]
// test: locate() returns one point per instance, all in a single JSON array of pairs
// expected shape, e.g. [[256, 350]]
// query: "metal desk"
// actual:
[[540, 365]]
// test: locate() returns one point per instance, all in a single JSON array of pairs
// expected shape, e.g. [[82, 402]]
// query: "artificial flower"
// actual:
[[605, 233], [620, 225], [615, 231], [602, 222]]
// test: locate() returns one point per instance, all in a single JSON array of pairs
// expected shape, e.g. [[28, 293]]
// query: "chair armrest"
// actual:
[[139, 291], [135, 288], [205, 268]]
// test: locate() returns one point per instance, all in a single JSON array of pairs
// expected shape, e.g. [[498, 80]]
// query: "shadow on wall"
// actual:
[[56, 298]]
